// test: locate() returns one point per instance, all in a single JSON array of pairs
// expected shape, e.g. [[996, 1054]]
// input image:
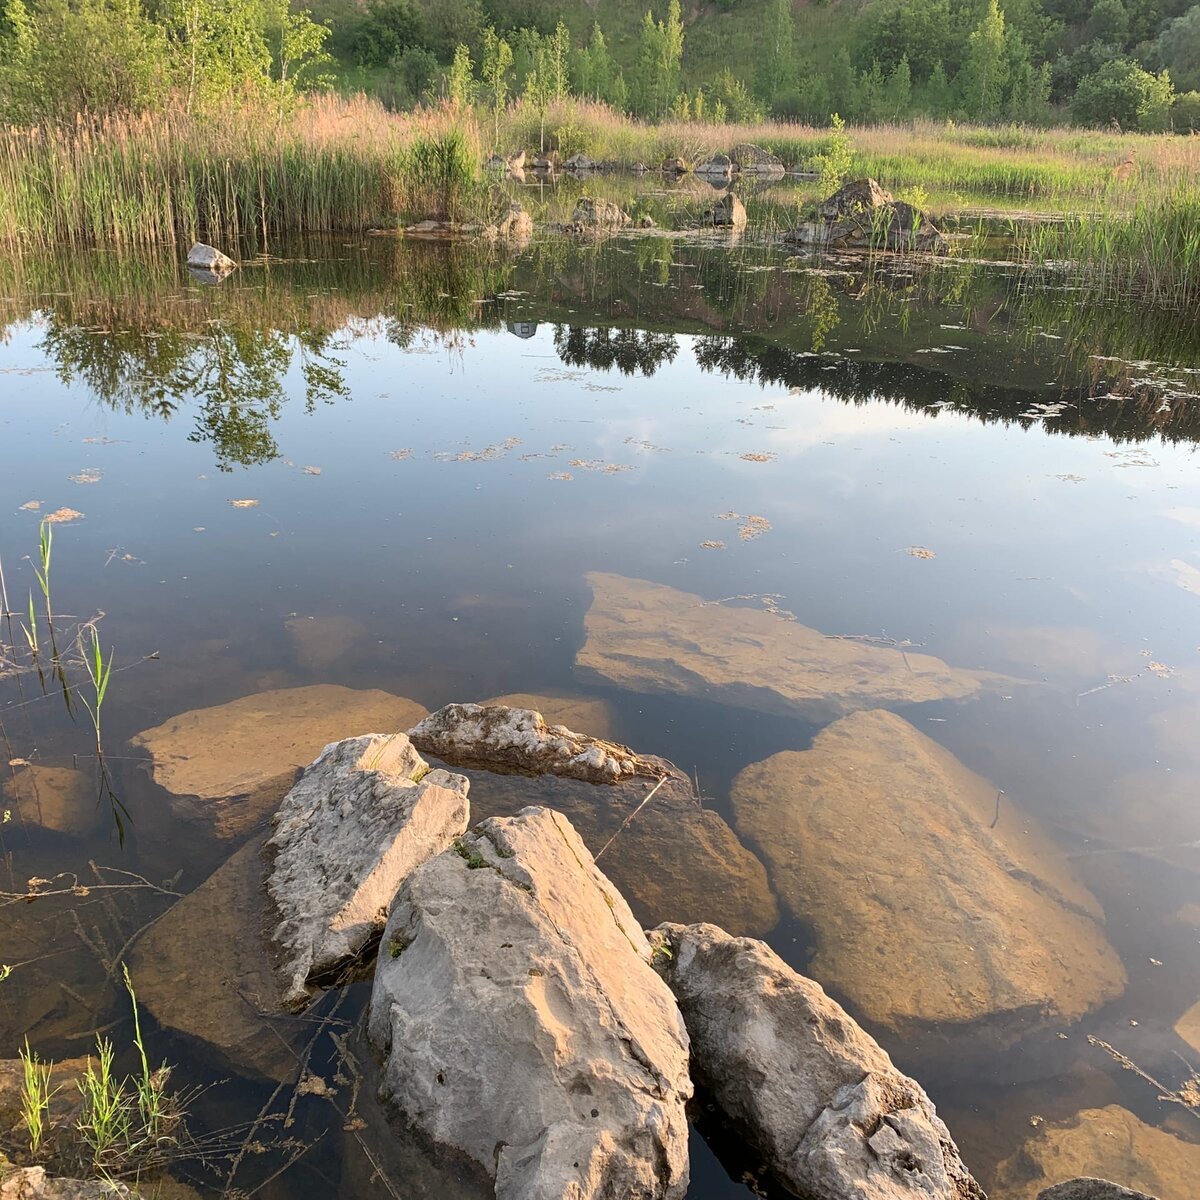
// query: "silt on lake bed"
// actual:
[[928, 729]]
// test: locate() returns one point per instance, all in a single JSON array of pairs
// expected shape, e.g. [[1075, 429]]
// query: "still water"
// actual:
[[404, 467]]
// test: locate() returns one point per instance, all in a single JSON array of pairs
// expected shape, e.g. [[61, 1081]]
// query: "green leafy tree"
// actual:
[[299, 55], [558, 59], [937, 97], [460, 79], [596, 73], [1109, 22], [843, 84], [896, 98], [1028, 86], [660, 57], [920, 30], [386, 31], [835, 161], [494, 69], [776, 68], [984, 73], [1185, 112], [1124, 93], [539, 89], [18, 45], [1178, 49]]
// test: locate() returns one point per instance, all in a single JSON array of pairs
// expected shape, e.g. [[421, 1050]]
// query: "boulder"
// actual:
[[649, 638], [580, 163], [353, 828], [1110, 1144], [208, 258], [673, 861], [720, 166], [674, 165], [56, 798], [203, 970], [522, 1024], [545, 162], [597, 717], [593, 215], [518, 739], [1090, 1189], [512, 224], [727, 213], [861, 215], [754, 160], [932, 902], [65, 1105], [227, 767], [813, 1097]]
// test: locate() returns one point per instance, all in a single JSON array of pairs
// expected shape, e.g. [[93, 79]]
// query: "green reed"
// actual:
[[36, 1094]]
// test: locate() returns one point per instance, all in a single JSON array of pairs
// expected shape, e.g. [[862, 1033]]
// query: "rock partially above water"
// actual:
[[727, 213], [1091, 1189], [498, 738], [650, 638], [1106, 1143], [522, 1024], [600, 216], [208, 258], [352, 829], [814, 1098], [596, 717], [55, 798], [230, 765], [32, 1183], [927, 907], [673, 861]]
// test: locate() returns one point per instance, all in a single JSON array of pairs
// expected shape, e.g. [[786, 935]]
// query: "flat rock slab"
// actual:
[[1109, 1144], [927, 908], [595, 717], [1151, 814], [32, 1183], [518, 739], [55, 798], [522, 1024], [1090, 1189], [357, 822], [229, 766], [203, 970], [649, 638], [674, 861], [816, 1101]]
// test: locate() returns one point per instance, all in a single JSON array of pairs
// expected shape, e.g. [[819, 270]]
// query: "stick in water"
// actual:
[[649, 797]]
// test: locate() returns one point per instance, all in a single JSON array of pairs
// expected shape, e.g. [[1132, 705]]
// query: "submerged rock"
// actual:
[[1108, 1144], [32, 1183], [353, 828], [815, 1099], [1188, 1027], [498, 738], [203, 970], [596, 717], [932, 903], [55, 798], [207, 258], [228, 766], [65, 1104], [727, 213], [673, 861], [1151, 813], [647, 637], [523, 1025]]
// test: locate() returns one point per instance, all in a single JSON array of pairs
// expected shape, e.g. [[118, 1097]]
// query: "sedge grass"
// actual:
[[36, 1094]]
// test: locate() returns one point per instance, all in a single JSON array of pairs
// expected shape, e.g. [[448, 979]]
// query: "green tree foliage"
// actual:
[[660, 58], [1178, 49], [1185, 112], [920, 31], [777, 68], [494, 70], [460, 80], [389, 28], [1124, 93], [597, 75], [984, 74]]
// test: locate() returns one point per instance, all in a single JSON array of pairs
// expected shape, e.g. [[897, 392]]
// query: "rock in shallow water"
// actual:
[[56, 798], [592, 716], [1090, 1189], [1107, 1143], [229, 766], [815, 1099], [522, 1024], [350, 831], [649, 638], [927, 907]]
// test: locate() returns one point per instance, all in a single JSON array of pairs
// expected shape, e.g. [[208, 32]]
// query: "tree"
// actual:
[[660, 55], [1028, 86], [776, 68], [558, 59], [387, 30], [936, 98], [1178, 48], [596, 72], [896, 97], [920, 30], [1123, 92], [299, 51], [1109, 22], [539, 89], [460, 82], [984, 72], [493, 70]]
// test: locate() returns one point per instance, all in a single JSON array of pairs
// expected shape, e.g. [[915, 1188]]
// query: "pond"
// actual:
[[917, 537]]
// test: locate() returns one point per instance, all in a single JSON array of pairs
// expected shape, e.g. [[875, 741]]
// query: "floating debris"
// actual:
[[61, 516], [758, 458], [921, 552], [402, 455], [87, 475], [31, 506], [753, 527], [487, 454], [244, 503], [712, 544], [598, 464], [311, 470], [562, 476]]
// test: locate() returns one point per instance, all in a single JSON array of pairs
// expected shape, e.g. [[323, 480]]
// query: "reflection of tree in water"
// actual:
[[631, 351], [236, 377], [1074, 410]]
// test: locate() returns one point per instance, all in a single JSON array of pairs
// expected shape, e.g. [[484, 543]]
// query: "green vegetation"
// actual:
[[36, 1094]]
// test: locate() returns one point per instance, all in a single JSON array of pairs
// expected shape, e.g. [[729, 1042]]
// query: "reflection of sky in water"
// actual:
[[1053, 561]]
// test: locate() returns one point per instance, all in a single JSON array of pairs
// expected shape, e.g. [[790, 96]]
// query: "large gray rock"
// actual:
[[1109, 1143], [860, 214], [808, 1090], [646, 637], [523, 1025], [600, 216], [208, 258], [727, 213], [356, 824], [586, 713], [32, 1183], [1091, 1189], [933, 901], [754, 160], [227, 767], [496, 737]]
